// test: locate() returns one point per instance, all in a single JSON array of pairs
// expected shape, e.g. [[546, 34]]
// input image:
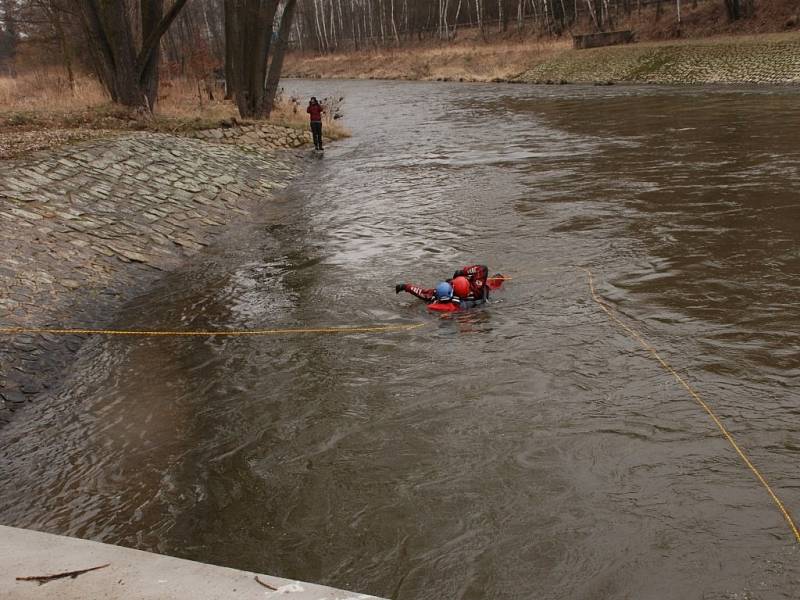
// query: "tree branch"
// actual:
[[266, 585], [72, 574], [155, 36]]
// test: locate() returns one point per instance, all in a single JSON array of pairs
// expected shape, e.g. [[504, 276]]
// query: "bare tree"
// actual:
[[278, 52], [9, 36], [249, 39], [54, 12], [130, 74]]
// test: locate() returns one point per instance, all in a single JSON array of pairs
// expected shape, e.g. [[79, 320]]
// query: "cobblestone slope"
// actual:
[[80, 227], [748, 60]]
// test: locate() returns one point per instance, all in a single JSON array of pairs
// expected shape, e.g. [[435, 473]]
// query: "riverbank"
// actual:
[[88, 226], [37, 113], [760, 59]]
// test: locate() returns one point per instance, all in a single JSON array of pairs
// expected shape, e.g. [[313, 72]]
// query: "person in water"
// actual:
[[468, 287], [315, 111], [478, 278], [442, 293]]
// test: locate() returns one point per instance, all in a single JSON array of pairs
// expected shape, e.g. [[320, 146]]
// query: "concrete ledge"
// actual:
[[131, 574]]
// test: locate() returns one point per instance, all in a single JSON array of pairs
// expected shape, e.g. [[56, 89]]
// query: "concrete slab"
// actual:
[[132, 574]]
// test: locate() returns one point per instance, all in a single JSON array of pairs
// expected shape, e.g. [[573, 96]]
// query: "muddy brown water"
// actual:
[[529, 449]]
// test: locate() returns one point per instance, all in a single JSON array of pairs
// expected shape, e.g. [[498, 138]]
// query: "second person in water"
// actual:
[[468, 287]]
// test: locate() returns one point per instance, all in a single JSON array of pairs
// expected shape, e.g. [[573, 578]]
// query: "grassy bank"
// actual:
[[765, 58], [464, 61], [39, 110], [468, 61]]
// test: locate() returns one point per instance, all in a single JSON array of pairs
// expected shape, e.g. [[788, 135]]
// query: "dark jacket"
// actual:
[[315, 111]]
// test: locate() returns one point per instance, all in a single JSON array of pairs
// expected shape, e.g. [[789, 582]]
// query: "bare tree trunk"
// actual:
[[341, 19], [334, 36], [151, 13], [320, 36], [10, 34], [394, 24], [548, 22], [500, 18], [299, 35], [382, 19], [131, 77], [452, 34], [592, 14], [56, 20], [324, 25], [370, 20], [260, 37], [354, 25], [233, 49], [607, 20], [214, 36], [479, 15], [278, 52], [111, 39]]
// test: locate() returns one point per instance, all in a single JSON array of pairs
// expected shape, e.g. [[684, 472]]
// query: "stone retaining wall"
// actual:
[[15, 143], [256, 135], [83, 227], [602, 38]]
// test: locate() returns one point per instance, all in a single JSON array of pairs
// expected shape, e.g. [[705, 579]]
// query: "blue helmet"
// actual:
[[443, 291]]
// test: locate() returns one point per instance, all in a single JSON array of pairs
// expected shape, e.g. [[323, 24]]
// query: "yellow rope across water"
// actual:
[[214, 332], [654, 353]]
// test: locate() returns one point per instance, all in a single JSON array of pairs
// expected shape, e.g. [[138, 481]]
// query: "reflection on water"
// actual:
[[525, 450]]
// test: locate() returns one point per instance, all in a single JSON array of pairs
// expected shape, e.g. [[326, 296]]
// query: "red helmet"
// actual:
[[461, 287]]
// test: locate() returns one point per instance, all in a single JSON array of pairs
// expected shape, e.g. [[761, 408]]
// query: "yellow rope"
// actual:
[[407, 327], [218, 332], [654, 353]]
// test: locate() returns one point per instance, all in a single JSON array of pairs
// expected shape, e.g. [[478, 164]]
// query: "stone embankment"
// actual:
[[86, 226], [256, 136], [763, 60], [15, 142]]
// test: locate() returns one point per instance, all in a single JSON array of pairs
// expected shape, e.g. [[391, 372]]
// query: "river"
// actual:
[[528, 449]]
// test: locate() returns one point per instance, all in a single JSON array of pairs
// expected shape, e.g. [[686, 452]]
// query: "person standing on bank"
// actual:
[[315, 111]]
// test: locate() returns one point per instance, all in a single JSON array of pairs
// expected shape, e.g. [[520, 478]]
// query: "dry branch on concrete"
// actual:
[[42, 579], [266, 585]]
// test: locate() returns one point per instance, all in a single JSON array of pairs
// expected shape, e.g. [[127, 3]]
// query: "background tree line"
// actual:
[[331, 25], [128, 43]]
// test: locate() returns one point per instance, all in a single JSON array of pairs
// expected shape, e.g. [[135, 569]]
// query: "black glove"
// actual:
[[459, 273], [399, 288]]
